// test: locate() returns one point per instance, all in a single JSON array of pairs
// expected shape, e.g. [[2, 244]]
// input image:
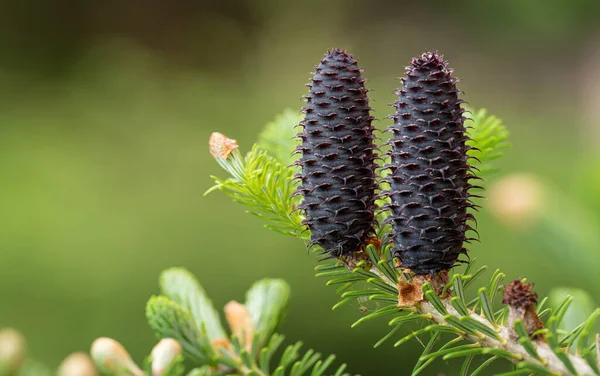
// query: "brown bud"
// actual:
[[522, 300], [409, 293], [519, 295], [77, 364], [240, 322], [221, 146], [12, 349]]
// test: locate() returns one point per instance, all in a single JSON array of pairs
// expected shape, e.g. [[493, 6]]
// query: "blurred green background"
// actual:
[[105, 112]]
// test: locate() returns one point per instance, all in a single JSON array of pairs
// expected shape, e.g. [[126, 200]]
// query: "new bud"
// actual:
[[240, 322], [110, 356], [12, 349], [77, 364], [163, 355]]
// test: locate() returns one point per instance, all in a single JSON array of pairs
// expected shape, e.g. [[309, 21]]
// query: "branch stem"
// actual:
[[507, 340]]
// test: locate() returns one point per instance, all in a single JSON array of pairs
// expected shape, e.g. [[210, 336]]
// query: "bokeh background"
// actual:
[[105, 112]]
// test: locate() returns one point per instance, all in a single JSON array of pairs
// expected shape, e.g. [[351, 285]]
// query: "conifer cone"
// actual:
[[338, 157], [429, 170]]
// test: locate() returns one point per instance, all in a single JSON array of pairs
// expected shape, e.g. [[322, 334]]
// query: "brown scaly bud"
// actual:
[[519, 295], [522, 300], [411, 293]]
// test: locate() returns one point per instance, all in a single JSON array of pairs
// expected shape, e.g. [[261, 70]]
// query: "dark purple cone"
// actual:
[[337, 179], [429, 173]]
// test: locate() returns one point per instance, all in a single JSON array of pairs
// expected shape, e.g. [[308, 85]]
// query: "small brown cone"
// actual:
[[522, 300]]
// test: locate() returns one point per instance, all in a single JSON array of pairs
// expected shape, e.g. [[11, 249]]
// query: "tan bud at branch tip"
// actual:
[[77, 364], [240, 322], [163, 355], [221, 146], [109, 355], [12, 349]]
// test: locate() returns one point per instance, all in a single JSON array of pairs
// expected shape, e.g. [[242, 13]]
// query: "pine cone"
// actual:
[[338, 159], [429, 173]]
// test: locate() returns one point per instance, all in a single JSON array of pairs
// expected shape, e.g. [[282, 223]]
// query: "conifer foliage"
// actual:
[[421, 225]]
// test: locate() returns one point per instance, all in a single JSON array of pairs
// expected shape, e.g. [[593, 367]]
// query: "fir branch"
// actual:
[[291, 362], [185, 313], [170, 320], [488, 338], [441, 306], [267, 301], [263, 179], [180, 286], [265, 186]]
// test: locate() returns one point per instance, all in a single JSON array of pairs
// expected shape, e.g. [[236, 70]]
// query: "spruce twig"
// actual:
[[507, 341], [422, 290]]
